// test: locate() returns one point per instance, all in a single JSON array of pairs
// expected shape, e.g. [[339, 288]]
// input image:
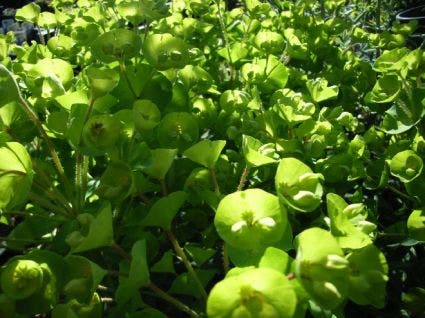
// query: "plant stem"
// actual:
[[180, 253], [162, 294], [401, 194], [243, 178], [226, 263], [124, 73], [225, 39], [46, 204], [36, 121], [54, 194], [40, 35], [120, 250], [215, 182], [9, 239], [163, 187]]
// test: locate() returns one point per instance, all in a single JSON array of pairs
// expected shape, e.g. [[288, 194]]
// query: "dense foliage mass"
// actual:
[[186, 159]]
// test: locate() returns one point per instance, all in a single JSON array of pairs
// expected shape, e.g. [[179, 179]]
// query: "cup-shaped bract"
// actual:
[[270, 42], [146, 114], [116, 45], [101, 132], [234, 100], [101, 81], [406, 165], [257, 292], [15, 174], [368, 276], [250, 219], [297, 185], [21, 278], [416, 225], [115, 182], [178, 130], [165, 51], [321, 267]]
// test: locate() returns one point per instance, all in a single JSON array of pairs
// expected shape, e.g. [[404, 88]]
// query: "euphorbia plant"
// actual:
[[184, 159]]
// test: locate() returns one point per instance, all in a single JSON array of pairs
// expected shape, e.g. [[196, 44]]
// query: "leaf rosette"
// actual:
[[257, 292], [250, 219]]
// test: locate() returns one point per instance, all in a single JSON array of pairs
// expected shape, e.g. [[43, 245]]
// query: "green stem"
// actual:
[[163, 187], [226, 262], [401, 194], [36, 121], [40, 36], [124, 73], [28, 214], [9, 239], [47, 204], [243, 178], [49, 188], [225, 39], [180, 253], [215, 181], [120, 251], [54, 195], [167, 297]]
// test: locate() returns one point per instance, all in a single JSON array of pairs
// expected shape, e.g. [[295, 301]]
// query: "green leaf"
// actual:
[[82, 277], [388, 60], [198, 254], [416, 225], [205, 152], [406, 165], [9, 90], [56, 69], [100, 233], [237, 50], [184, 283], [320, 91], [344, 229], [160, 162], [405, 113], [256, 154], [138, 275], [76, 123], [269, 74], [28, 13], [15, 174], [165, 264], [47, 20], [297, 185], [368, 276], [164, 210], [276, 259], [386, 90]]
